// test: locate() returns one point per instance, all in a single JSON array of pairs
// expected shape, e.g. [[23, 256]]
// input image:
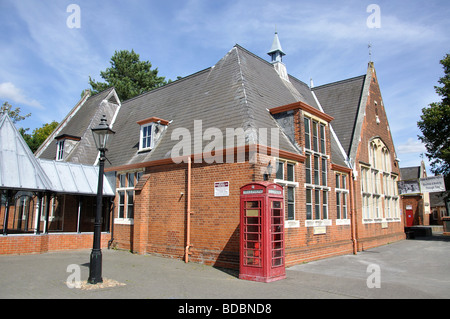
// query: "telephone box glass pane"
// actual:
[[277, 234], [252, 212], [277, 262], [252, 234], [251, 220], [252, 204], [276, 204]]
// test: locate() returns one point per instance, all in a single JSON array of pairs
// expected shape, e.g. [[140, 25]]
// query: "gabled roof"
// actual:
[[342, 100], [407, 173], [86, 114], [234, 93], [19, 169]]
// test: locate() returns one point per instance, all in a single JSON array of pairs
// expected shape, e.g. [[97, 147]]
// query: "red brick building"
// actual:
[[330, 147]]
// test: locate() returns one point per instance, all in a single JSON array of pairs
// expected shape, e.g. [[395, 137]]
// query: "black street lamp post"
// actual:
[[101, 134]]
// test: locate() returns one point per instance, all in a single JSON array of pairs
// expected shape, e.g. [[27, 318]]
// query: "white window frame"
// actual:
[[150, 128], [60, 150], [125, 187], [289, 223], [342, 195]]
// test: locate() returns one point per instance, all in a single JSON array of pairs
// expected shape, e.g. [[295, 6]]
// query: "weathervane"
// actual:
[[370, 51]]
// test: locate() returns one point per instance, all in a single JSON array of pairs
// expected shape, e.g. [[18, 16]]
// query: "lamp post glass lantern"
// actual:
[[101, 134]]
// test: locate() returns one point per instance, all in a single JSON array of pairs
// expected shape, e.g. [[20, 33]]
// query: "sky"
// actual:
[[49, 48]]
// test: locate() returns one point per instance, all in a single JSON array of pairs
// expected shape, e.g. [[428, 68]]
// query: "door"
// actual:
[[409, 217], [252, 234]]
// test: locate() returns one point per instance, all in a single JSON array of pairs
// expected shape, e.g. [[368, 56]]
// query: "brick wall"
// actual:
[[372, 235], [30, 244]]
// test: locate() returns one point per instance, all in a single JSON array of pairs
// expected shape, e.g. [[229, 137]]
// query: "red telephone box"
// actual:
[[262, 232]]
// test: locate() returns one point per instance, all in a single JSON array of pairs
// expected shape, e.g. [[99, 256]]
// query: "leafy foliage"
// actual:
[[39, 135], [435, 126], [128, 75], [13, 114]]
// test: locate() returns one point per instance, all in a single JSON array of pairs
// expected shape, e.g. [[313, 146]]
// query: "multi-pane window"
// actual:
[[290, 172], [315, 135], [341, 196], [290, 203], [324, 172], [60, 150], [315, 129], [324, 205], [307, 125], [285, 176], [308, 203], [316, 170], [317, 204], [125, 192], [280, 170], [378, 187], [316, 163], [308, 178], [146, 137], [322, 139]]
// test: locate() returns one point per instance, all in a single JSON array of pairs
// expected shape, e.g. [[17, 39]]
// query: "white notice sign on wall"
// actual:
[[221, 189]]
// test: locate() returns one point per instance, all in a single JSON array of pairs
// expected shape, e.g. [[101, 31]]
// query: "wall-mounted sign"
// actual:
[[422, 185], [409, 187], [432, 184], [221, 189]]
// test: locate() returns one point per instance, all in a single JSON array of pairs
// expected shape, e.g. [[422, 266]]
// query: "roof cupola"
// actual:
[[276, 52]]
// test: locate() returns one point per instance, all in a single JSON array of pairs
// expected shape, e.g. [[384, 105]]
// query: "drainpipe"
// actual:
[[111, 220], [353, 212], [188, 213]]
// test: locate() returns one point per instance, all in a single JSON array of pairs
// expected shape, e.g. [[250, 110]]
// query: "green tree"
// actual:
[[128, 75], [435, 126], [40, 135], [13, 114]]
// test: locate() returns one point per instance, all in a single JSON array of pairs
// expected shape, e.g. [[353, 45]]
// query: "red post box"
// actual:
[[262, 232]]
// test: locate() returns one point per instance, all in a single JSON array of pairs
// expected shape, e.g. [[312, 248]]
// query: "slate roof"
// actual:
[[407, 173], [342, 100], [78, 123], [234, 93]]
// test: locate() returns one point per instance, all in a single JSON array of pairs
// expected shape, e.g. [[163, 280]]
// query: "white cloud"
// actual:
[[411, 146], [10, 92]]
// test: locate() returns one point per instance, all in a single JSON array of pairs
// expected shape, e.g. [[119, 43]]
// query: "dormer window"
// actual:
[[60, 150], [65, 143], [151, 130], [147, 132]]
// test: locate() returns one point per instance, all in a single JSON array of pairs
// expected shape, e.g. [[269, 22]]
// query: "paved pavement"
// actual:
[[407, 269]]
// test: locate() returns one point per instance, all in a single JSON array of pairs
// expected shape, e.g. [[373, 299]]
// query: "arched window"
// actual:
[[378, 185], [379, 155]]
